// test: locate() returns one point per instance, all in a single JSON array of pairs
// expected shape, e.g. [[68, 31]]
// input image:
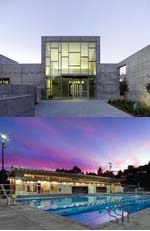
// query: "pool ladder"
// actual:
[[9, 197], [116, 215]]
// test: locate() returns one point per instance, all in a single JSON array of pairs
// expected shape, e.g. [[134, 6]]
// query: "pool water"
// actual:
[[90, 210]]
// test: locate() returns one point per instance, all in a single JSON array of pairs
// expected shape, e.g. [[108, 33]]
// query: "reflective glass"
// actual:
[[92, 68], [59, 61], [54, 45], [47, 61], [47, 70], [64, 65], [48, 48], [92, 44], [74, 69], [84, 49], [48, 83], [74, 47], [64, 49], [92, 55], [54, 68], [54, 54], [55, 87], [74, 59], [84, 65], [92, 87]]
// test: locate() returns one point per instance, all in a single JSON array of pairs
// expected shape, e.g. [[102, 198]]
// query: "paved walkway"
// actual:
[[77, 108], [24, 217]]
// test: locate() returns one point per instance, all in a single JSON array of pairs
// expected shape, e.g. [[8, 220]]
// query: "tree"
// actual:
[[124, 87], [76, 169], [119, 174], [3, 177], [99, 172], [91, 173], [108, 174]]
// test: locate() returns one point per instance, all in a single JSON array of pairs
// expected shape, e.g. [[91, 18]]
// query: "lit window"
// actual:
[[74, 59], [74, 47], [84, 49], [54, 45], [54, 54], [54, 68], [92, 55], [48, 83], [92, 45], [64, 49], [47, 61], [64, 65], [47, 71], [48, 48], [84, 65], [92, 68], [74, 69]]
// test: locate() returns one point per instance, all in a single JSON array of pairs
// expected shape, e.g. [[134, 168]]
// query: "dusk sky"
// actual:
[[50, 143], [124, 26]]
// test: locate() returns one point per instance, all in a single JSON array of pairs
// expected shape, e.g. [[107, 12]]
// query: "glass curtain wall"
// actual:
[[66, 60]]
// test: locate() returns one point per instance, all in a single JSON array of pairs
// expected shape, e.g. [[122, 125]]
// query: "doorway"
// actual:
[[78, 88]]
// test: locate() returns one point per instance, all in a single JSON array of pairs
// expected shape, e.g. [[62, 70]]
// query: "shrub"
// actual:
[[140, 109]]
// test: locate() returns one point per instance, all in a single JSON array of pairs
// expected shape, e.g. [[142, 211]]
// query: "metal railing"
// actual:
[[113, 212], [7, 193]]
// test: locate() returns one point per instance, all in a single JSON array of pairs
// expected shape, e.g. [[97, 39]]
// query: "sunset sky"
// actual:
[[51, 143], [122, 25]]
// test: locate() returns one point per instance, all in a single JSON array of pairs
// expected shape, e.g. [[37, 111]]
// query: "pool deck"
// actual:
[[20, 217], [138, 221], [25, 217]]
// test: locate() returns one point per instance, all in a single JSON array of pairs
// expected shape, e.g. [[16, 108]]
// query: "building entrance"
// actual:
[[70, 87], [78, 88]]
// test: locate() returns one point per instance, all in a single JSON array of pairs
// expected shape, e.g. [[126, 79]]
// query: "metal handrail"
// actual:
[[115, 215], [9, 197], [109, 209]]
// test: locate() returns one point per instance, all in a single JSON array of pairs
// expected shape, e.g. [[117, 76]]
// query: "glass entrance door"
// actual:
[[78, 88]]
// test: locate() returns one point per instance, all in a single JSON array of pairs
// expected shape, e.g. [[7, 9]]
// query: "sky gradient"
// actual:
[[50, 143], [122, 25]]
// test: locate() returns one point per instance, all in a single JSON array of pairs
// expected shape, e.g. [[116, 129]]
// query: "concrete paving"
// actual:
[[28, 218], [77, 108], [138, 221]]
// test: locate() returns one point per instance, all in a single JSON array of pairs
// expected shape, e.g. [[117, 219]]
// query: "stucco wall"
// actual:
[[64, 189], [91, 189], [107, 81], [138, 68]]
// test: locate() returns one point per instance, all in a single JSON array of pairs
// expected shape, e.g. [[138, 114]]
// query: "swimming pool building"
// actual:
[[71, 68], [34, 182]]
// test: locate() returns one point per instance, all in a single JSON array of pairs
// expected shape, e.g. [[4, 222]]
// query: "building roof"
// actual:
[[23, 172]]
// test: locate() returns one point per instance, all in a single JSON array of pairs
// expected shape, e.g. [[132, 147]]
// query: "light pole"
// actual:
[[110, 167], [4, 139]]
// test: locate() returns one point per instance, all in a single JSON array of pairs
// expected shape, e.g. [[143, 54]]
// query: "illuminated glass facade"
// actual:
[[70, 69]]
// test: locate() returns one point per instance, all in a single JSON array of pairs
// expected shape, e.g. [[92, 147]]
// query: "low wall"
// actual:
[[17, 106]]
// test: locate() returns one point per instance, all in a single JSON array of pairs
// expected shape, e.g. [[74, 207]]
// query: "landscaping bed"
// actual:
[[132, 107]]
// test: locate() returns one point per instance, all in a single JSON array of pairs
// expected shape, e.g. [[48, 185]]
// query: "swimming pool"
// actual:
[[91, 210]]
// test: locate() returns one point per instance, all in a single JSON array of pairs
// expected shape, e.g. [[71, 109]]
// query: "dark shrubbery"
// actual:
[[131, 107]]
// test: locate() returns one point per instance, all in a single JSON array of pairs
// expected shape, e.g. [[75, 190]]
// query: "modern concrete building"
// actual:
[[70, 68], [34, 182]]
